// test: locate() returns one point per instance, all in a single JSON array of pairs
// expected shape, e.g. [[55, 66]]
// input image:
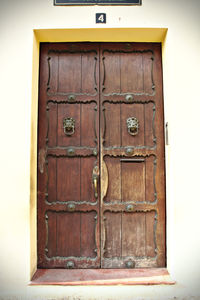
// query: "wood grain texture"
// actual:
[[71, 234], [52, 124], [113, 247], [87, 234], [133, 181], [133, 234], [52, 179], [113, 124], [87, 166], [68, 234], [131, 73], [88, 130], [69, 78], [68, 179], [129, 235], [111, 66]]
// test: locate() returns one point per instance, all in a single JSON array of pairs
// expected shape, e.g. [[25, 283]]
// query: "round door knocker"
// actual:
[[69, 126], [132, 125]]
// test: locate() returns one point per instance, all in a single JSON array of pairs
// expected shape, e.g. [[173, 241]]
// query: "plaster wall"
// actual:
[[21, 24]]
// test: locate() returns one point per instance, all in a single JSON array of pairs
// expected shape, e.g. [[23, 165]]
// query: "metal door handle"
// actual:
[[95, 177], [95, 183]]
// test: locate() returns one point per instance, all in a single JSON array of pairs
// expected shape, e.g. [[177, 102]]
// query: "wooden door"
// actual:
[[101, 180]]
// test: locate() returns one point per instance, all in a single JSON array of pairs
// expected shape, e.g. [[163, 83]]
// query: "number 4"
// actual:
[[101, 18]]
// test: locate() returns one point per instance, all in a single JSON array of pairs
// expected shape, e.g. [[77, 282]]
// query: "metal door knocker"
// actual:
[[69, 126], [132, 125]]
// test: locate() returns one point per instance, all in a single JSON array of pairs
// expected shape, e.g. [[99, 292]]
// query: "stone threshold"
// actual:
[[155, 276]]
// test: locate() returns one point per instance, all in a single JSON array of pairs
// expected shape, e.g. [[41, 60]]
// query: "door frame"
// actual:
[[74, 35]]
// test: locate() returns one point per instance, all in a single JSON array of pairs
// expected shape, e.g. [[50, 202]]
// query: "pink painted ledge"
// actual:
[[102, 277]]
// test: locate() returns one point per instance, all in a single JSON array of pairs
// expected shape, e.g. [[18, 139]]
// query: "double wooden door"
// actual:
[[101, 179]]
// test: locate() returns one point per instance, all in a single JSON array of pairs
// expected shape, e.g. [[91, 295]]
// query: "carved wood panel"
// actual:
[[101, 184]]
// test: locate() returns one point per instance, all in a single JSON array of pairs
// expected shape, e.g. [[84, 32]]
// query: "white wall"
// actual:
[[181, 96]]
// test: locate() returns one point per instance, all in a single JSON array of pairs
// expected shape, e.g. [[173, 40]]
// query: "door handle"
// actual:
[[95, 183], [95, 177]]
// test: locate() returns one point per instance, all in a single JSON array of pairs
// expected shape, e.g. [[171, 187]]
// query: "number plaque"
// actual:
[[100, 18]]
